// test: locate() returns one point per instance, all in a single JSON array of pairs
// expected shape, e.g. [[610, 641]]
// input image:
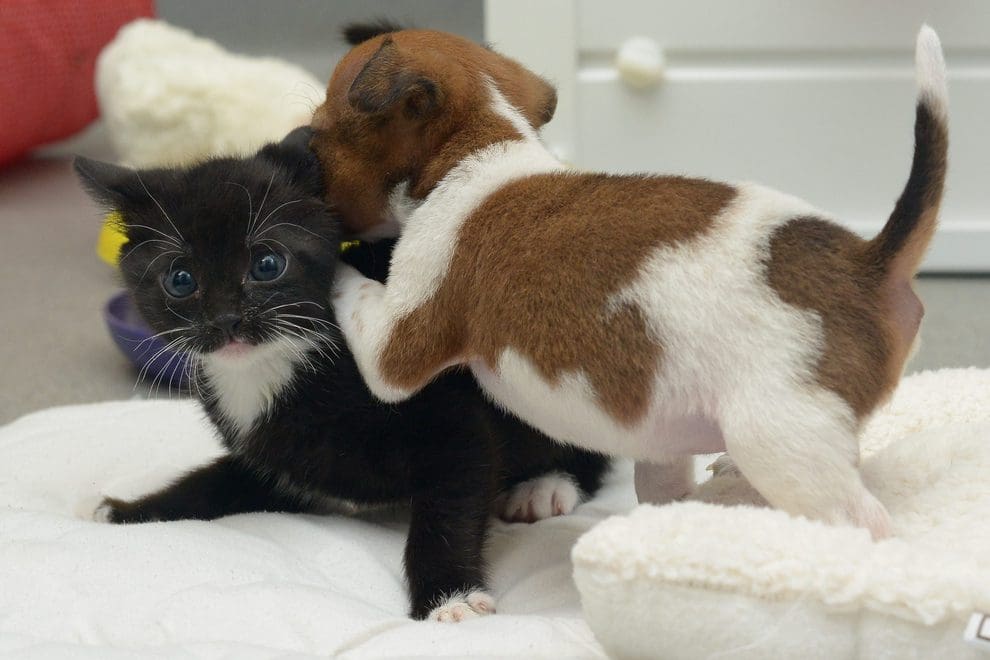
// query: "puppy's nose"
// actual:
[[228, 323]]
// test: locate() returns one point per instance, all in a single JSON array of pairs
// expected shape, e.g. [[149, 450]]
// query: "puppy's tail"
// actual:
[[901, 245]]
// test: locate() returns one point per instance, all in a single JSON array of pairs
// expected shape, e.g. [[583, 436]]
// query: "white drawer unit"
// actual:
[[814, 97]]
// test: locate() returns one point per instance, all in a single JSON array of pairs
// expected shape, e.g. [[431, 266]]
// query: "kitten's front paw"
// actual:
[[111, 510], [461, 607], [549, 495]]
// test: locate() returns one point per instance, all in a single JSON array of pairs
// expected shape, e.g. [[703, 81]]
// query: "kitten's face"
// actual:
[[228, 255]]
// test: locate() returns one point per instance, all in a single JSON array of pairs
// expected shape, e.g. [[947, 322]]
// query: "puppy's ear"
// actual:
[[358, 33], [112, 186], [547, 104], [388, 83], [294, 156]]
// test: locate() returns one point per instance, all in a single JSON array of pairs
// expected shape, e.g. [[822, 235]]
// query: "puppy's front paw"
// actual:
[[461, 607], [350, 294], [549, 495], [347, 280]]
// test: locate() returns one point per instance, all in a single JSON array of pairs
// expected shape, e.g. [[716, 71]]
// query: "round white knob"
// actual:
[[640, 62]]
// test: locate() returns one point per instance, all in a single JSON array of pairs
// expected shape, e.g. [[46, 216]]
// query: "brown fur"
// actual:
[[838, 284], [572, 248]]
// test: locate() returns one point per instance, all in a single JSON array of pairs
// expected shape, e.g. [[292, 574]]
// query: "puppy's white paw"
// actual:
[[347, 280], [553, 494], [461, 607], [348, 293]]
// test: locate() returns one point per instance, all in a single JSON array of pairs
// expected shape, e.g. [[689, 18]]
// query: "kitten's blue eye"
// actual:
[[180, 283], [267, 267]]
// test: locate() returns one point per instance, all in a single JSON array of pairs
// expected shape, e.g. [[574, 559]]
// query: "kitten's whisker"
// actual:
[[171, 238], [301, 336], [261, 208], [248, 192], [179, 233], [179, 360], [152, 262], [320, 333], [158, 335], [147, 365], [301, 302], [186, 319], [269, 298], [274, 211], [265, 241], [149, 240], [309, 318], [161, 351], [306, 335], [290, 224]]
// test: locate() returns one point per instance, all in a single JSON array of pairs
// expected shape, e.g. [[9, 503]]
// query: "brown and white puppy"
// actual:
[[646, 316]]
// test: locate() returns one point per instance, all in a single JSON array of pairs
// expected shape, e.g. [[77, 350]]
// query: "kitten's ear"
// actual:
[[110, 185], [294, 156]]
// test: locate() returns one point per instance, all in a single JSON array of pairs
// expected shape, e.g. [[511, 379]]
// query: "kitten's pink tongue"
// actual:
[[234, 349]]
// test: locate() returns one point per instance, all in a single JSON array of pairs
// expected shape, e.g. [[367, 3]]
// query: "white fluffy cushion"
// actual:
[[257, 585], [702, 579], [169, 97]]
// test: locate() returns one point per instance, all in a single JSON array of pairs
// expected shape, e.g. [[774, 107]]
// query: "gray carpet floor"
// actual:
[[55, 350]]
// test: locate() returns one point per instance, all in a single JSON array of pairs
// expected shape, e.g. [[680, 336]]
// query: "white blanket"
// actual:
[[246, 586]]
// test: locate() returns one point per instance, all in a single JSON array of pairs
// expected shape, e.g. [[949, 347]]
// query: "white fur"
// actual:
[[461, 607], [169, 97], [247, 386], [501, 106], [930, 72], [546, 496], [101, 513]]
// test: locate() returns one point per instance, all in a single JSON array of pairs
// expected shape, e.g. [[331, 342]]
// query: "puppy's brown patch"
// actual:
[[819, 266], [567, 241]]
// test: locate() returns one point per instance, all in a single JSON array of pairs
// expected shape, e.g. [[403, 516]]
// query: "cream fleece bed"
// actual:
[[688, 580], [245, 587], [706, 580]]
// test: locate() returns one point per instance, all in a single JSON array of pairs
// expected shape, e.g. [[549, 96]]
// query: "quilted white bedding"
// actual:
[[246, 586]]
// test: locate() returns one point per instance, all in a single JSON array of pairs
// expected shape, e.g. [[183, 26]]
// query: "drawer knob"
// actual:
[[640, 62]]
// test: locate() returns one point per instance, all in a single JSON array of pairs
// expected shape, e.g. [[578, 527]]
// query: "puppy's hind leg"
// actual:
[[800, 451]]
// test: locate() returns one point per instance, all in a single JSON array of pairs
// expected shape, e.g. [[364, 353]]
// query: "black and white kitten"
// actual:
[[233, 261]]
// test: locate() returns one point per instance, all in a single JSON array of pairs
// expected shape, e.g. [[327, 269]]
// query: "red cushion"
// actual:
[[48, 52]]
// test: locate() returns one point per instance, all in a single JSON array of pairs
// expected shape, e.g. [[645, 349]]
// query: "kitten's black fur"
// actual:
[[447, 452]]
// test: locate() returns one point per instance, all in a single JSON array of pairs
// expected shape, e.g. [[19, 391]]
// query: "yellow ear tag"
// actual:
[[347, 245], [112, 238]]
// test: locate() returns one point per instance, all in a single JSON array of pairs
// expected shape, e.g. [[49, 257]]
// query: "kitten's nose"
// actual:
[[228, 323]]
